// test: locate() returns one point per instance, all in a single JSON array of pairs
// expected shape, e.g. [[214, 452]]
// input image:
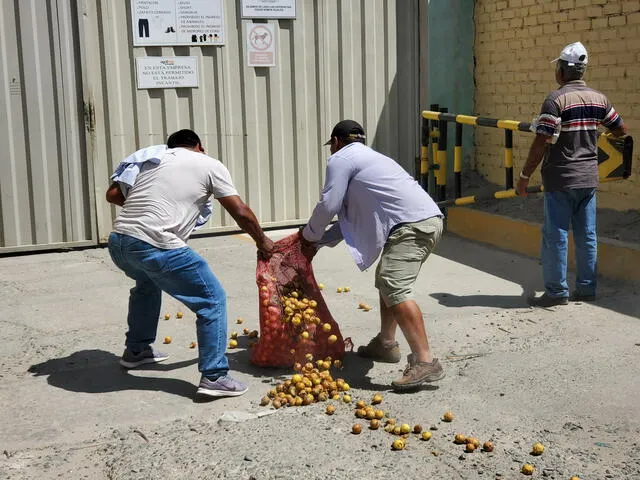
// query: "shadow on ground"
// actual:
[[526, 272], [499, 301], [98, 371]]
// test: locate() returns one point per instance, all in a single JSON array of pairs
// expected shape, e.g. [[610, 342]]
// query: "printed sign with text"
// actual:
[[167, 72], [177, 22], [268, 8], [261, 45]]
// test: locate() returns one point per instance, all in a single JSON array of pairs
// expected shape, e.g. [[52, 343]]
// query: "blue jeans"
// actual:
[[575, 207], [184, 275]]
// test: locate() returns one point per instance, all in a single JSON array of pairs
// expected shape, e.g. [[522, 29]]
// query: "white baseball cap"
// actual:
[[574, 54]]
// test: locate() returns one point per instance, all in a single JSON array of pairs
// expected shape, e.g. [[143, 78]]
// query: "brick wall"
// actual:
[[514, 43]]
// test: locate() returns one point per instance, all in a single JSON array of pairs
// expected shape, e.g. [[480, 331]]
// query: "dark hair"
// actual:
[[183, 138], [571, 72], [349, 139]]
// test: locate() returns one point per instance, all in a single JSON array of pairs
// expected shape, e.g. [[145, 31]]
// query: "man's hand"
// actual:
[[265, 248], [309, 249], [114, 195], [523, 183]]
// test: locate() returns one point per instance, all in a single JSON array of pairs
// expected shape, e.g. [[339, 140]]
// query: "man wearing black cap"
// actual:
[[380, 209]]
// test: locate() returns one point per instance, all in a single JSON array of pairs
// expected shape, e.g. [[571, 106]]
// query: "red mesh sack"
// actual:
[[294, 319]]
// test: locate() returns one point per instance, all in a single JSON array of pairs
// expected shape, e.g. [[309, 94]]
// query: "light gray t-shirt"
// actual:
[[370, 193], [163, 205]]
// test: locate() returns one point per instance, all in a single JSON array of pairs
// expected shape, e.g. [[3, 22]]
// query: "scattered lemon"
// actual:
[[374, 424], [425, 436], [356, 429], [233, 335], [417, 428], [233, 343], [239, 320], [330, 410], [167, 316], [405, 428], [193, 345], [167, 340], [377, 398], [332, 339], [537, 449], [527, 469], [346, 399], [347, 289], [460, 439], [448, 416], [470, 448], [339, 290], [264, 401], [305, 335], [246, 331], [321, 286], [398, 444], [326, 327], [487, 447], [179, 315]]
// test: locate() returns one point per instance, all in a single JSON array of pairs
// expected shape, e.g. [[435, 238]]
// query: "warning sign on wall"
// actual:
[[261, 45], [177, 22]]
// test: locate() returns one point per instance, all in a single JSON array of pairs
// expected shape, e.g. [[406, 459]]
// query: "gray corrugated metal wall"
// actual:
[[45, 187], [338, 59]]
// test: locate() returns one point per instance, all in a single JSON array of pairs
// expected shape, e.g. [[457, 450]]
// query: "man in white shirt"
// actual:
[[148, 243], [380, 208]]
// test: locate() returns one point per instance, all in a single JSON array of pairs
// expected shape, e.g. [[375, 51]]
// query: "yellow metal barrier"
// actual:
[[614, 154]]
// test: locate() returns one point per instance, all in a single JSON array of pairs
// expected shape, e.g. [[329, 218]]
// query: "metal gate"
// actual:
[[70, 109], [45, 188]]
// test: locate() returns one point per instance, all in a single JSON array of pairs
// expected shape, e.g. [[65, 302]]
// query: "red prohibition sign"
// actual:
[[260, 38]]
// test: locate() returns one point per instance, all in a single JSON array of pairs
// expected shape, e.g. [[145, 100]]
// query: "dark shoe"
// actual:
[[577, 297], [224, 386], [417, 373], [546, 301], [148, 355], [379, 352]]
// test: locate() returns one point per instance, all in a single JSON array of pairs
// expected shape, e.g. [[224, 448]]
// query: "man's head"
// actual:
[[572, 63], [344, 133], [185, 139]]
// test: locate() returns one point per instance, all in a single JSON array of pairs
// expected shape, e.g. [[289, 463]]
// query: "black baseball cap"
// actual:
[[347, 129]]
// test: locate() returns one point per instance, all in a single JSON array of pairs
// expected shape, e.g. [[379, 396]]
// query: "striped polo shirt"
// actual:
[[577, 110]]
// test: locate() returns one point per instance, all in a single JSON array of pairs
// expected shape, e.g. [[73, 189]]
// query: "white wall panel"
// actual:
[[337, 59], [62, 59], [45, 191]]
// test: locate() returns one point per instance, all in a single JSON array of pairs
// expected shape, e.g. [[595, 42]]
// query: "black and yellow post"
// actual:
[[508, 159], [433, 138], [441, 174], [424, 154], [457, 161]]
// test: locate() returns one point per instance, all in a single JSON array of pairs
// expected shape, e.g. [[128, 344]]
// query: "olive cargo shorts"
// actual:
[[406, 249]]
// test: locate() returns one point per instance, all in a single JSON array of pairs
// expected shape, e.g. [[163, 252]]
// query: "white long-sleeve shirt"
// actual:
[[370, 193]]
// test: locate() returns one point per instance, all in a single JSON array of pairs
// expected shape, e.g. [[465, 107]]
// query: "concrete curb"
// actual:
[[616, 260]]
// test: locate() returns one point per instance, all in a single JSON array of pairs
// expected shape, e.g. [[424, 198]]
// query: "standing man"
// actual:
[[567, 136], [380, 208], [148, 243]]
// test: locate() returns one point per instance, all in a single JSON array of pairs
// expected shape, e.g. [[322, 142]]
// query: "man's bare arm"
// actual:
[[247, 221]]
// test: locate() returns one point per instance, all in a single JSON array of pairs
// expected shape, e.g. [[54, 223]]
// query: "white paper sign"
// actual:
[[177, 22], [261, 45], [167, 72], [268, 8]]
